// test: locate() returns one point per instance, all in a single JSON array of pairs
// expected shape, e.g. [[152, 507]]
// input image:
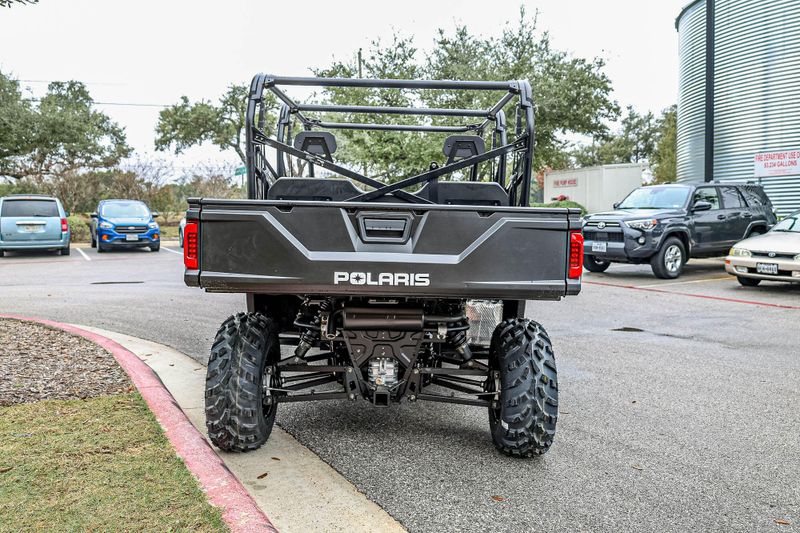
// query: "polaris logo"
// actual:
[[393, 279]]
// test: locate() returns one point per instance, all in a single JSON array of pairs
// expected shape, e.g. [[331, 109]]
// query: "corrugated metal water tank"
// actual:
[[756, 78]]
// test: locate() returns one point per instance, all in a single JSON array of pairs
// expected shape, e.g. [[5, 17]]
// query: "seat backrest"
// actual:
[[313, 189], [466, 193]]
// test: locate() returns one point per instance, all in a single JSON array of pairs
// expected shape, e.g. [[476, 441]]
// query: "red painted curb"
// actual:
[[239, 510], [691, 295]]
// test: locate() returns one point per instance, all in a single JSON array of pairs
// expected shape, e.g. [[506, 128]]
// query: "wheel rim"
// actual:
[[673, 258]]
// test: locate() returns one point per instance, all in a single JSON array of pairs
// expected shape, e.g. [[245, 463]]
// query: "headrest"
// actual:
[[463, 146], [320, 143]]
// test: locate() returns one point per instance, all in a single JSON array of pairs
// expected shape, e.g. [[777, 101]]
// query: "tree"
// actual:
[[634, 142], [186, 124], [62, 135], [665, 154], [572, 95], [9, 3], [382, 154]]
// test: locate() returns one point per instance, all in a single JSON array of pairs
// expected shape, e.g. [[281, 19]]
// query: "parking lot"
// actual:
[[678, 399]]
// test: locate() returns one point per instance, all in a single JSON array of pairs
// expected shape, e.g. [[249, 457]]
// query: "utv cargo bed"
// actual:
[[421, 250]]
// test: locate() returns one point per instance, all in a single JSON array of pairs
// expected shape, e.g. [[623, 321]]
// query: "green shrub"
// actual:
[[563, 203], [79, 228]]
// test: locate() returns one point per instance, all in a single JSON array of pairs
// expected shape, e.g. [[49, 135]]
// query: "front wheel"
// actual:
[[155, 247], [240, 409], [748, 282], [595, 264], [522, 417], [669, 260]]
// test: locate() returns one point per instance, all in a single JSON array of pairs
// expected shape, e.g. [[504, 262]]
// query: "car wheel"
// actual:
[[522, 421], [2, 253], [240, 410], [94, 242], [155, 247], [755, 233], [65, 251], [180, 238], [748, 282], [669, 261], [594, 264], [101, 248]]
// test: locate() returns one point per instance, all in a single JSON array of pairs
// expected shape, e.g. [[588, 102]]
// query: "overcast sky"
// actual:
[[154, 51]]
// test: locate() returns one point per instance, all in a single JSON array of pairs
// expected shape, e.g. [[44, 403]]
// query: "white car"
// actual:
[[773, 256]]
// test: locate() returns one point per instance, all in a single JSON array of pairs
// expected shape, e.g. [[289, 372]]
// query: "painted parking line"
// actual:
[[83, 254], [690, 295], [704, 280], [171, 250]]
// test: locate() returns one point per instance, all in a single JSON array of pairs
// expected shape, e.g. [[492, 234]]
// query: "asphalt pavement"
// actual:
[[679, 400]]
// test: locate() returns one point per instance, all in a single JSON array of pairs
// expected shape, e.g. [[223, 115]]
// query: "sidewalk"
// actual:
[[295, 488]]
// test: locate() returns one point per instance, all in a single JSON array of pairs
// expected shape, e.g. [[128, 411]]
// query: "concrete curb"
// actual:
[[223, 489]]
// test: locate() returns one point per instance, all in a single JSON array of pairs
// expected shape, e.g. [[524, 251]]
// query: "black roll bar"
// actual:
[[259, 169]]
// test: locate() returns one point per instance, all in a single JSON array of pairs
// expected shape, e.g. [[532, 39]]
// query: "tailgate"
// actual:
[[285, 247], [30, 229]]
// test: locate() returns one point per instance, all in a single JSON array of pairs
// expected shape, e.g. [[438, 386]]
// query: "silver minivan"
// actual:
[[33, 222]]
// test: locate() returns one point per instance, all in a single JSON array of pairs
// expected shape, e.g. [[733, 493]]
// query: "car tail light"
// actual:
[[64, 225], [575, 254], [191, 246]]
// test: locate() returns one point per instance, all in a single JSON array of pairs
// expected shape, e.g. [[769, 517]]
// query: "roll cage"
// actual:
[[517, 183]]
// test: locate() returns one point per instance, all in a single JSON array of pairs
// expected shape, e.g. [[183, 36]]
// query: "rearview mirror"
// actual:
[[94, 215], [155, 214], [616, 205], [701, 205]]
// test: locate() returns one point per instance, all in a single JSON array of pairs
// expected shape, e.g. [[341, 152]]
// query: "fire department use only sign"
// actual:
[[783, 163]]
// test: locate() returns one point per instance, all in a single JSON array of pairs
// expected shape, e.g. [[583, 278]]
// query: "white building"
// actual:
[[595, 188]]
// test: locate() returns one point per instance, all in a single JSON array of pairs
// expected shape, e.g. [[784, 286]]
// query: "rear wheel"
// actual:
[[669, 260], [65, 251], [2, 253], [523, 370], [748, 282], [240, 413], [594, 264]]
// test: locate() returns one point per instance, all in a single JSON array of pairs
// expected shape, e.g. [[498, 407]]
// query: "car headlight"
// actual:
[[739, 252], [153, 225], [645, 224], [106, 225], [797, 257]]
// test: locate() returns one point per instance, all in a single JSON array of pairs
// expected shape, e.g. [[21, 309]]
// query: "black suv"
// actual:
[[666, 224]]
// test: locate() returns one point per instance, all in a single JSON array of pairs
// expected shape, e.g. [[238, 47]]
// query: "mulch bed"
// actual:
[[41, 363]]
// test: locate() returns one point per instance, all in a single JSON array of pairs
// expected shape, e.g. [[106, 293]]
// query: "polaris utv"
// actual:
[[409, 289]]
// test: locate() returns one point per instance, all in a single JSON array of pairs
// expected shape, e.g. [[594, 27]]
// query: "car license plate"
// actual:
[[31, 228], [599, 246], [131, 237], [767, 268]]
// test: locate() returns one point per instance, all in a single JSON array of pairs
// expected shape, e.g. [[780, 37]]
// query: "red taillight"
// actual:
[[191, 246], [575, 254], [64, 225]]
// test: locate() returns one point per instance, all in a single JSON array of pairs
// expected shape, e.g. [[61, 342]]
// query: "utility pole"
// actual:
[[359, 64]]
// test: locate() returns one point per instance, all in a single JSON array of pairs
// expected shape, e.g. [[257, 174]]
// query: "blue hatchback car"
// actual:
[[33, 222], [124, 224]]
